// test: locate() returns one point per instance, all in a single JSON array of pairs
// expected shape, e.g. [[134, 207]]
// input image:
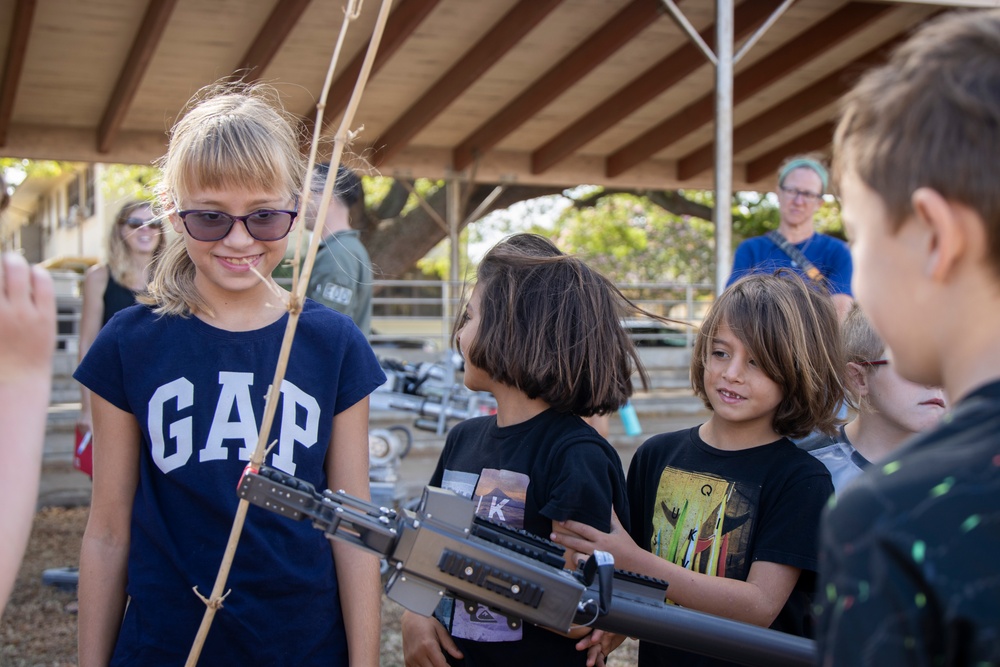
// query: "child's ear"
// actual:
[[858, 377], [175, 222], [949, 235]]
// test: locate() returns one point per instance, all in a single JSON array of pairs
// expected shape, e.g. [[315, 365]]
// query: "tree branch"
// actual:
[[394, 201], [671, 201]]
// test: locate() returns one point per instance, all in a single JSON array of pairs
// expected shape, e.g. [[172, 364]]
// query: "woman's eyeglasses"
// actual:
[[877, 362], [136, 223], [806, 195], [264, 225]]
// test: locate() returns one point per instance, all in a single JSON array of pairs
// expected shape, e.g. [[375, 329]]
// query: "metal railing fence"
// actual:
[[418, 314]]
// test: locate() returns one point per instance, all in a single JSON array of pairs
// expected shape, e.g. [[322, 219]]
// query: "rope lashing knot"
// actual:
[[214, 603]]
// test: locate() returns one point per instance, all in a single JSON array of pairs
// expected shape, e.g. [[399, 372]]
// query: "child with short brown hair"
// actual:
[[542, 331], [726, 512]]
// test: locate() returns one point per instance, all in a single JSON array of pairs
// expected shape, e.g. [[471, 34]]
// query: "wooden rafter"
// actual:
[[641, 90], [506, 33], [147, 39], [808, 45], [607, 39], [17, 46], [405, 18], [823, 93], [766, 165], [272, 35]]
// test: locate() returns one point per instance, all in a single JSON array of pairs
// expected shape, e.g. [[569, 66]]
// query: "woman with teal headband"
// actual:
[[826, 261]]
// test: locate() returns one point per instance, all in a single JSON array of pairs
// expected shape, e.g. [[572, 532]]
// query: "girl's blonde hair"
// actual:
[[790, 330], [234, 135], [119, 255], [861, 343]]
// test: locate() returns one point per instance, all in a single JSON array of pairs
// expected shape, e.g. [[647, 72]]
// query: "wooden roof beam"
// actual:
[[147, 39], [506, 33], [808, 45], [272, 35], [644, 88], [405, 18], [767, 165], [17, 47], [600, 45], [821, 94]]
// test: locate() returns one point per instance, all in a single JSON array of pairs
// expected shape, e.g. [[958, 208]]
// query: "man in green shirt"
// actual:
[[342, 273]]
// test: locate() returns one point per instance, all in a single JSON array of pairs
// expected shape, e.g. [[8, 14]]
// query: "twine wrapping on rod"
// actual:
[[299, 286]]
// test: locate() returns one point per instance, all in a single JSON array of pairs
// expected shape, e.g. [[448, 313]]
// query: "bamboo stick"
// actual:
[[300, 283]]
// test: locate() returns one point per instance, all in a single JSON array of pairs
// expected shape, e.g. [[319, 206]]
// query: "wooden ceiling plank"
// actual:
[[810, 44], [147, 39], [598, 47], [503, 36], [821, 94], [17, 47], [766, 165], [405, 18], [644, 88], [272, 35]]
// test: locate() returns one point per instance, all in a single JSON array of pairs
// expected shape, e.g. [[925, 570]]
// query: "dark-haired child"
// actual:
[[908, 570], [727, 512], [542, 332]]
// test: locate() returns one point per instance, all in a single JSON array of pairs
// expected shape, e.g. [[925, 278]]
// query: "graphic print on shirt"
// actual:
[[703, 523], [171, 423], [499, 496]]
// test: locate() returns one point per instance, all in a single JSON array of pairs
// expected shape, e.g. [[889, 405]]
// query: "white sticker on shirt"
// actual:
[[335, 293]]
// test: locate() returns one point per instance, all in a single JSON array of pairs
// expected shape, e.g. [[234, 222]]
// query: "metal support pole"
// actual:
[[485, 204], [771, 20], [723, 142], [453, 211], [692, 33]]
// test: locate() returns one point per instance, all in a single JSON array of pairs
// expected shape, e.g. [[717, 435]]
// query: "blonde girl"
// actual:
[[132, 245], [179, 390]]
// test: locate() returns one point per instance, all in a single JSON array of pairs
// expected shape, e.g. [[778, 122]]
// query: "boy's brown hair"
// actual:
[[550, 326], [930, 117], [791, 331]]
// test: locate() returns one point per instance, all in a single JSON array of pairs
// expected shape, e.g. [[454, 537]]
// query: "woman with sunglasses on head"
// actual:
[[133, 244], [890, 410], [179, 389], [795, 244]]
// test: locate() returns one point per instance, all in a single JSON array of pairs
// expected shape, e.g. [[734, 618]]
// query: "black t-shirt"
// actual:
[[116, 297], [553, 467], [716, 512], [909, 575]]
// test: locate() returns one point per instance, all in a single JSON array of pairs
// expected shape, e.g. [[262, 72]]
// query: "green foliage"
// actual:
[[754, 213], [630, 239], [36, 168], [122, 182], [435, 264], [16, 170], [828, 220], [377, 188]]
